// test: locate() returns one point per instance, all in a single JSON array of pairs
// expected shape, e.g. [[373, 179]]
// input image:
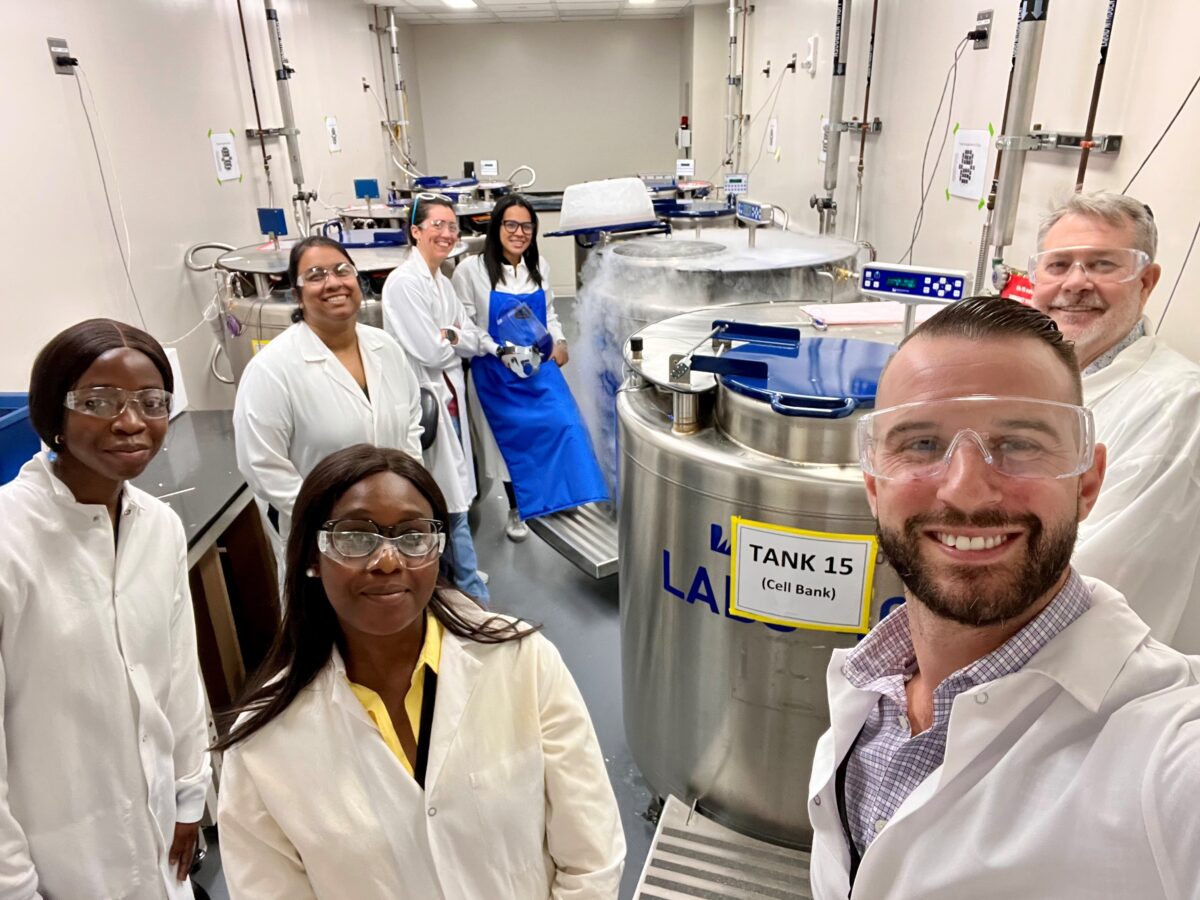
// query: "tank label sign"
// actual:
[[807, 579]]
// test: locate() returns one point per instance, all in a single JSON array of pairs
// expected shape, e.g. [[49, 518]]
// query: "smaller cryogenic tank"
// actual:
[[754, 426]]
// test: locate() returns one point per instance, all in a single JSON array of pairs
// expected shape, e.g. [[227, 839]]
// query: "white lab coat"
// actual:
[[103, 734], [475, 290], [1142, 535], [517, 803], [1075, 777], [297, 403], [417, 305]]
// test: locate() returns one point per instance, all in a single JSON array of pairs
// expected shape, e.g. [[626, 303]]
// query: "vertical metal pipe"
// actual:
[[837, 95], [283, 73], [1091, 120], [732, 87], [401, 94], [862, 140], [1031, 32]]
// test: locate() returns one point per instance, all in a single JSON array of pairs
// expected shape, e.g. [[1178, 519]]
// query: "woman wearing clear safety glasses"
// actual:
[[423, 313], [103, 771], [506, 290], [327, 382], [400, 741]]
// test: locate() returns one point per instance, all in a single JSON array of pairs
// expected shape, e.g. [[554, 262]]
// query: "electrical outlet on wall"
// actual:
[[58, 50], [983, 22]]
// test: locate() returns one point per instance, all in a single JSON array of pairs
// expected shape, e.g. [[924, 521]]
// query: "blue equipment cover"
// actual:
[[18, 440]]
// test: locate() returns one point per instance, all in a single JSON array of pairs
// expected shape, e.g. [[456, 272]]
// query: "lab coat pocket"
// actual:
[[510, 798]]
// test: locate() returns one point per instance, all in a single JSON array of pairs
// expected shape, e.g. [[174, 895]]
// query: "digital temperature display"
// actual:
[[901, 283]]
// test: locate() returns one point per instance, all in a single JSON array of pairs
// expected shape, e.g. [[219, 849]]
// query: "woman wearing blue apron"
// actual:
[[531, 434]]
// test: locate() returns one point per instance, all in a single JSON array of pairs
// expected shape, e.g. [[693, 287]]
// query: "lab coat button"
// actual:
[[432, 811], [816, 801], [981, 698], [880, 824]]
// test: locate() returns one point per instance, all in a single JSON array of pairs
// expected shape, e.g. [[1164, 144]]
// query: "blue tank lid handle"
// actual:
[[814, 407], [730, 365], [764, 335]]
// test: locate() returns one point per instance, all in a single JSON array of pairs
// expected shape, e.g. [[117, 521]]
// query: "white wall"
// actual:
[[1150, 68], [163, 73], [709, 66], [575, 100]]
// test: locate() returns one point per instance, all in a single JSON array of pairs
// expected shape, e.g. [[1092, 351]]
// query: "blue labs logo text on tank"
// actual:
[[696, 587]]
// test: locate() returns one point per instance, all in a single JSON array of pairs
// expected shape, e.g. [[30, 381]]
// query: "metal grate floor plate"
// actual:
[[694, 857], [586, 536]]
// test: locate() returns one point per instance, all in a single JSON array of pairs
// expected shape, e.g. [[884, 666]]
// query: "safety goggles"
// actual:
[[512, 227], [1017, 436], [110, 402], [448, 226], [356, 542], [343, 271], [1101, 265]]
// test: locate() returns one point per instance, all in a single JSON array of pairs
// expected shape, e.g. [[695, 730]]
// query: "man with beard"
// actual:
[[1093, 274], [1013, 730]]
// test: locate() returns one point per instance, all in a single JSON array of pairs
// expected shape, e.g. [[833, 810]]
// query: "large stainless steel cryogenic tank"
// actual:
[[629, 284], [721, 709]]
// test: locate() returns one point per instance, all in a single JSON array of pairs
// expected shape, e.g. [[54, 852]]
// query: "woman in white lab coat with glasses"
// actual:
[[103, 771], [400, 741], [327, 382]]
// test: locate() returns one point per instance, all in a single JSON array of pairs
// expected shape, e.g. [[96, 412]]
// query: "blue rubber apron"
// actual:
[[537, 425]]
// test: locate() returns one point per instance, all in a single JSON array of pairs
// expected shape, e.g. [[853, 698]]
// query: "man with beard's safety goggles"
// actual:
[[1019, 437]]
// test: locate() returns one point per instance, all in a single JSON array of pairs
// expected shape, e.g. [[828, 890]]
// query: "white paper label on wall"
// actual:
[[968, 165], [823, 153], [685, 168], [489, 167], [736, 183], [225, 156], [335, 140], [772, 135], [807, 579]]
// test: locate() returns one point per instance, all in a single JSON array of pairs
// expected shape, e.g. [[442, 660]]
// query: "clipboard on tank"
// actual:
[[521, 327]]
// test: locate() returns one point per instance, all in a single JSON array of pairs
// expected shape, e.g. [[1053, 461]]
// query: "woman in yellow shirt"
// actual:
[[400, 741]]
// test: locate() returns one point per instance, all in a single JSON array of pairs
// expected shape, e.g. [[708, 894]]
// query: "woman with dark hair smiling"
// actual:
[[103, 772], [532, 436], [422, 312], [324, 384], [400, 741]]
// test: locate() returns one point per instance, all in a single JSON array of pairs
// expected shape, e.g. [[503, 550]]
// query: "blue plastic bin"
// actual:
[[18, 441]]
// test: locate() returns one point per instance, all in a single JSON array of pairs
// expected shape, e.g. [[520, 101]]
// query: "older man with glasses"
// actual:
[[1012, 730], [1093, 273]]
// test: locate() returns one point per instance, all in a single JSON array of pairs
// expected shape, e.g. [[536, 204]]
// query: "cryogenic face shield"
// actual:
[[521, 327], [523, 362], [1019, 437], [1100, 265], [357, 543]]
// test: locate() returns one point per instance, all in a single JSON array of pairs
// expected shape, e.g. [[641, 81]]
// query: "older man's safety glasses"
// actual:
[[1103, 265], [1017, 436], [355, 542], [110, 402]]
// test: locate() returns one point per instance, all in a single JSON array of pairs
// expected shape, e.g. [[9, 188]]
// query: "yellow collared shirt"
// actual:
[[430, 657]]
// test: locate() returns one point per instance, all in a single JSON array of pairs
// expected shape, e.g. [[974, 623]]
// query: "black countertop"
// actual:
[[196, 472]]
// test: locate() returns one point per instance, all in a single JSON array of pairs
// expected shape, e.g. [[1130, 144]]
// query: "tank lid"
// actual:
[[668, 249], [817, 377]]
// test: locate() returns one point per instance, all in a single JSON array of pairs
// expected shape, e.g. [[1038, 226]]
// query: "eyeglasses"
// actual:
[[355, 542], [1102, 265], [110, 402], [1017, 436], [343, 271], [512, 227], [450, 227]]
